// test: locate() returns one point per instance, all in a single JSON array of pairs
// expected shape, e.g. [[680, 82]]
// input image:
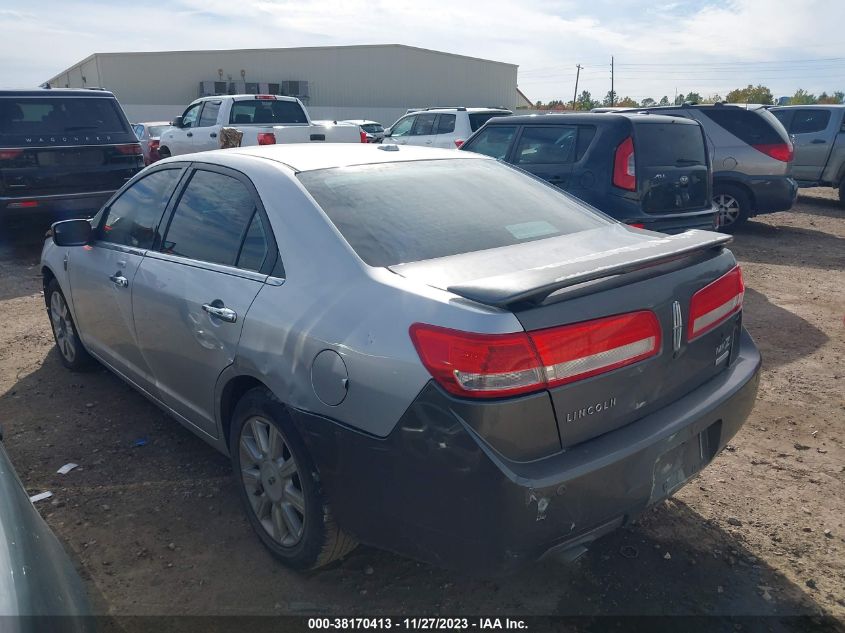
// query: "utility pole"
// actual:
[[612, 93], [577, 76]]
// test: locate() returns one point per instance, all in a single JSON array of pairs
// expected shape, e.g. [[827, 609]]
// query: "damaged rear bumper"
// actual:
[[435, 491]]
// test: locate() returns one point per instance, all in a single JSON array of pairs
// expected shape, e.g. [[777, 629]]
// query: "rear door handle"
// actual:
[[819, 141], [221, 312], [119, 280], [189, 134]]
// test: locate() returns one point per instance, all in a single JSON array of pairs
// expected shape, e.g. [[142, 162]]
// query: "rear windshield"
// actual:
[[477, 119], [156, 130], [60, 115], [396, 213], [669, 145], [372, 128], [267, 111], [755, 127]]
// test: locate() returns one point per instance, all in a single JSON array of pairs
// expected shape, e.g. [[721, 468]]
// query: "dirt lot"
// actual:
[[158, 529]]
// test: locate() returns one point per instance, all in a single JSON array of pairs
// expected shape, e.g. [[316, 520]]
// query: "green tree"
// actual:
[[585, 101], [664, 100], [609, 99], [836, 97], [627, 102], [679, 99], [802, 97], [648, 102], [693, 97], [714, 98], [751, 94]]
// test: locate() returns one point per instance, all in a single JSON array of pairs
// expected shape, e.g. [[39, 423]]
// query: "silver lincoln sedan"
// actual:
[[423, 350]]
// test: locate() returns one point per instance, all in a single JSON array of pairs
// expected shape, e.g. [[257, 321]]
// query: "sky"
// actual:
[[708, 47]]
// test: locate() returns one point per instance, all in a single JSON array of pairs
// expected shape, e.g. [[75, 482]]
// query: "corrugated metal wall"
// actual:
[[377, 82]]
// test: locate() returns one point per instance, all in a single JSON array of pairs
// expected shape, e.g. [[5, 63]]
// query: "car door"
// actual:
[[180, 140], [811, 140], [401, 130], [423, 133], [205, 135], [193, 292], [102, 274], [547, 151], [444, 129]]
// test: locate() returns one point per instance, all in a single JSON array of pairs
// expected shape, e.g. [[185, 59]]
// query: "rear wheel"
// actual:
[[842, 192], [734, 206], [279, 485], [71, 352], [163, 153]]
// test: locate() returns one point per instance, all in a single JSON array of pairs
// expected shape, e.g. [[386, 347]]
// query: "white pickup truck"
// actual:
[[263, 119]]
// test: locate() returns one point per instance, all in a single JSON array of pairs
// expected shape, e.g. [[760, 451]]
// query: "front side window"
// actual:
[[403, 126], [133, 218], [448, 207], [809, 121], [209, 114], [494, 140], [554, 144], [210, 219], [191, 116]]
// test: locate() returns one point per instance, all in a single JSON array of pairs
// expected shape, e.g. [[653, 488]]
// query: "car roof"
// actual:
[[813, 106], [592, 118], [309, 157], [57, 92], [457, 109]]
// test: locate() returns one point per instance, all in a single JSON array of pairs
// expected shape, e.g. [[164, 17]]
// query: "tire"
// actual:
[[72, 353], [734, 205], [842, 193], [163, 153], [284, 502]]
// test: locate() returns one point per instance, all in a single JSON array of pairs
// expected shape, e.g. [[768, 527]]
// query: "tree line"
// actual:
[[750, 94]]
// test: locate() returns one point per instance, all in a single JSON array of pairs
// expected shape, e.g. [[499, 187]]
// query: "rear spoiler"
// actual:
[[536, 284]]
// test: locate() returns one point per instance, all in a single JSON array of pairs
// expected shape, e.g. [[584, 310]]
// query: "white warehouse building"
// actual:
[[378, 82]]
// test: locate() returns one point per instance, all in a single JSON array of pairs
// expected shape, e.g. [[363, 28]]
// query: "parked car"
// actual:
[[39, 585], [752, 159], [149, 135], [373, 129], [642, 169], [263, 119], [535, 373], [63, 152], [818, 133], [440, 127]]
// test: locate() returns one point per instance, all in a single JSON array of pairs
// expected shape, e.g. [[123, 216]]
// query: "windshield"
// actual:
[[60, 115], [404, 212]]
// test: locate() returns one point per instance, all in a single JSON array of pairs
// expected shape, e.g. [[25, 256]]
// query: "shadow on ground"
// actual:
[[788, 246]]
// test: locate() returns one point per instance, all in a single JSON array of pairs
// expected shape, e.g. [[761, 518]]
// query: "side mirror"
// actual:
[[72, 233], [386, 132], [177, 122]]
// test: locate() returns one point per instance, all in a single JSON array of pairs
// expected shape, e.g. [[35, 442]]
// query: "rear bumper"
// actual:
[[435, 491], [66, 205], [769, 193], [678, 223]]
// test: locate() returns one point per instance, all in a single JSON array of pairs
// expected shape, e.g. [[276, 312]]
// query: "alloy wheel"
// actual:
[[271, 478], [729, 209], [62, 327]]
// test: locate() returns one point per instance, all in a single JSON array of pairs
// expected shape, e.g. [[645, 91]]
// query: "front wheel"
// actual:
[[279, 485], [734, 206], [71, 351], [163, 153]]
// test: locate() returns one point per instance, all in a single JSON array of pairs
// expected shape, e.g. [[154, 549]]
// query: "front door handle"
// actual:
[[220, 311], [213, 135], [819, 141], [189, 134], [119, 280]]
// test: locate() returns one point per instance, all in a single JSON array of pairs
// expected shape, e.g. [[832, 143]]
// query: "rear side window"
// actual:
[[809, 121], [750, 126], [60, 115], [132, 219], [554, 144], [254, 249], [448, 207], [267, 111], [446, 124], [494, 140], [211, 219], [424, 125], [669, 145], [477, 119]]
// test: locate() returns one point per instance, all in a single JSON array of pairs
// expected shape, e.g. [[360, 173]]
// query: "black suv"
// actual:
[[63, 152], [648, 171]]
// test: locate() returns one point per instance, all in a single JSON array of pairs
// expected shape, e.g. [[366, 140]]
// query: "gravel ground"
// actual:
[[158, 528]]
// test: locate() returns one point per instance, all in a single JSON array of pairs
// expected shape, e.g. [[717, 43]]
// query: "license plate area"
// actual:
[[677, 465]]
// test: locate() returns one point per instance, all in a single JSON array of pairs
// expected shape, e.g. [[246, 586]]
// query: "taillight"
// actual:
[[265, 97], [778, 151], [10, 154], [129, 149], [637, 225], [363, 136], [715, 303], [497, 365], [624, 172], [23, 204], [459, 142], [154, 143], [266, 138]]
